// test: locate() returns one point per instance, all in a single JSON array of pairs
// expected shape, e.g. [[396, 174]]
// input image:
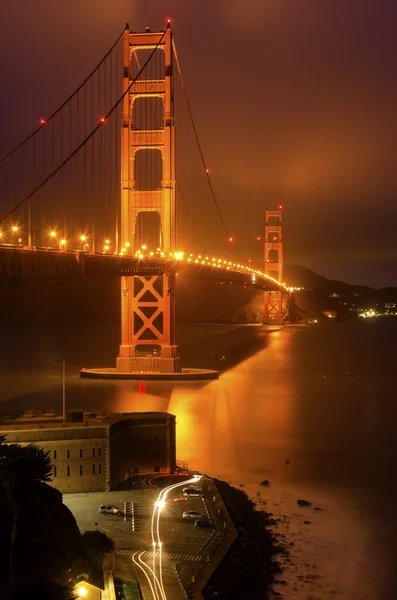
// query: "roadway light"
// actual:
[[83, 238], [15, 228], [53, 234]]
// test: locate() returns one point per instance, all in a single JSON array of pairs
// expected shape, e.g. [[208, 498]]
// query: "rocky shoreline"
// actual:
[[249, 568]]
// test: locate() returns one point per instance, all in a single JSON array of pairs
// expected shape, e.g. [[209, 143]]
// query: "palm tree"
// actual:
[[20, 467]]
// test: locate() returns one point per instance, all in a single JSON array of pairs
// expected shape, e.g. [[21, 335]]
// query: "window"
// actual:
[[81, 470], [99, 469], [81, 452], [93, 469], [93, 453], [68, 470], [99, 452], [55, 454], [67, 453], [55, 472]]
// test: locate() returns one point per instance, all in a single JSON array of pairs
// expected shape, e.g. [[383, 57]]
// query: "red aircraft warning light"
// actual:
[[169, 21], [102, 119], [43, 121], [280, 207], [231, 239]]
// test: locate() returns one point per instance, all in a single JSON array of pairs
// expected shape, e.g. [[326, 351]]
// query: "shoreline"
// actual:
[[248, 568]]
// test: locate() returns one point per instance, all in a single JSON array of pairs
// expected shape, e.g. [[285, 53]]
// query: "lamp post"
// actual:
[[53, 235]]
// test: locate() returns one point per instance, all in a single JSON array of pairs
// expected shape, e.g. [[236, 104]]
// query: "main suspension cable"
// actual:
[[93, 132], [197, 139], [58, 110]]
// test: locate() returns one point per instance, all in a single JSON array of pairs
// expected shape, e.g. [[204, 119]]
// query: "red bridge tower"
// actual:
[[275, 309]]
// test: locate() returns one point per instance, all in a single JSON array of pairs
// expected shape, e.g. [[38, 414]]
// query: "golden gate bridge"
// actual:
[[114, 182]]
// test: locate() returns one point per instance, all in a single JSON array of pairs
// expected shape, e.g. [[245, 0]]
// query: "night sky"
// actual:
[[294, 100]]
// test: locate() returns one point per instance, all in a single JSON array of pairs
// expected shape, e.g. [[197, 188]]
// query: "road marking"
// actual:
[[172, 555]]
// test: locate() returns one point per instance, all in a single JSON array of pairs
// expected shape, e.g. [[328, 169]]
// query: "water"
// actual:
[[313, 410]]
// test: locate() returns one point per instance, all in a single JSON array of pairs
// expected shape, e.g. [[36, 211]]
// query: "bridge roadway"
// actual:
[[25, 263]]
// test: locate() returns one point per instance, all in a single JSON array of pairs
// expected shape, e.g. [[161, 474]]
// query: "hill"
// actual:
[[298, 276]]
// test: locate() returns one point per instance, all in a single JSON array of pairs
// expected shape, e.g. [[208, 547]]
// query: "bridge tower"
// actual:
[[148, 340], [275, 308]]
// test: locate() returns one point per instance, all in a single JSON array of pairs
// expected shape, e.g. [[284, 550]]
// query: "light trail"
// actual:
[[139, 564], [156, 583]]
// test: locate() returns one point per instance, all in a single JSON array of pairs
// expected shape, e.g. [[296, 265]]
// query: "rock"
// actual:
[[307, 522], [288, 461], [265, 482], [303, 503], [317, 508]]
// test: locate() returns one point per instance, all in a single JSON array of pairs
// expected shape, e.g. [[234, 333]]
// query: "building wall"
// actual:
[[79, 457], [143, 447], [98, 458]]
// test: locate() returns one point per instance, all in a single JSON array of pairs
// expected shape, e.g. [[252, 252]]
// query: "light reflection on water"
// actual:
[[314, 412]]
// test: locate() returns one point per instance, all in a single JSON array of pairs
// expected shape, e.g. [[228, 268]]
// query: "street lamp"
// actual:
[[15, 229], [82, 240], [53, 235]]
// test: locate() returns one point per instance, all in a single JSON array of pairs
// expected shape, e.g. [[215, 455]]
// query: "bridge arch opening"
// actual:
[[273, 237], [148, 113], [273, 221], [148, 169], [155, 69], [148, 230], [273, 256]]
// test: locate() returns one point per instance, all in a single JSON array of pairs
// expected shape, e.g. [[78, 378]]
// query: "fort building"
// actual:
[[94, 451]]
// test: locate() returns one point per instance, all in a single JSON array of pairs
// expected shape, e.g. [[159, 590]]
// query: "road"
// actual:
[[149, 545]]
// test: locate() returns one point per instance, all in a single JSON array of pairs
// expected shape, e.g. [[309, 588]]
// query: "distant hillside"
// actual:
[[297, 276], [322, 295]]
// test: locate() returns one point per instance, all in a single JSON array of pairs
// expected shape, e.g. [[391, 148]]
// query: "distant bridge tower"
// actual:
[[147, 303], [275, 308]]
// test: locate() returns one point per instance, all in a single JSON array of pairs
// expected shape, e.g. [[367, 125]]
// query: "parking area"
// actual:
[[129, 526]]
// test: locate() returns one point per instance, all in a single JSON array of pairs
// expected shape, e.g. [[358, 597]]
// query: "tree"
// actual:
[[20, 467], [95, 544], [45, 591]]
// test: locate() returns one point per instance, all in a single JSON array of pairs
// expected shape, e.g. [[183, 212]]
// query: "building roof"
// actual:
[[88, 420]]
